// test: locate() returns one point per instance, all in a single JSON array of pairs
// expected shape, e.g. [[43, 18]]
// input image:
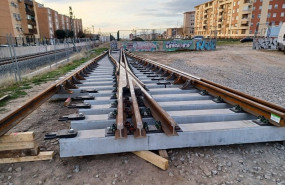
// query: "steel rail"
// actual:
[[136, 117], [62, 86], [167, 122], [121, 131], [253, 105]]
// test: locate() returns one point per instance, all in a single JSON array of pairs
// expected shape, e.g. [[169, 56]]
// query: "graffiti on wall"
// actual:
[[178, 45], [114, 45], [170, 45], [206, 44], [265, 43], [141, 46]]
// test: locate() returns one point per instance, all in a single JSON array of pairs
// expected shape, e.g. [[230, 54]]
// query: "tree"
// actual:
[[112, 37], [60, 34], [69, 33], [80, 34], [137, 39]]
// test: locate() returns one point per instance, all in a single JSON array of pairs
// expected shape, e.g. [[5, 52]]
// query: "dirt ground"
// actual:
[[259, 73]]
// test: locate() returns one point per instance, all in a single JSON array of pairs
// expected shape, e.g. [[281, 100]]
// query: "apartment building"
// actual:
[[267, 13], [45, 17], [77, 23], [237, 18], [61, 21], [18, 18], [189, 24], [174, 33], [29, 19], [55, 21], [67, 23]]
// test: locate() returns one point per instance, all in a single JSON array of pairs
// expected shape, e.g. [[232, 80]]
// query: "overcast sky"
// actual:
[[113, 15]]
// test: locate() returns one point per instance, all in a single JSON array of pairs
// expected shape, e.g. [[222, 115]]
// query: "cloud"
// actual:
[[181, 6]]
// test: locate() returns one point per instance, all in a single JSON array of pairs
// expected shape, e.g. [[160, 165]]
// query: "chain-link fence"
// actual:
[[17, 66], [31, 41]]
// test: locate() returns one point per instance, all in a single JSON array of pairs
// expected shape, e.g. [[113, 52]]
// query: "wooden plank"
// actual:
[[4, 97], [17, 146], [41, 157], [17, 137], [67, 101], [163, 153], [153, 158]]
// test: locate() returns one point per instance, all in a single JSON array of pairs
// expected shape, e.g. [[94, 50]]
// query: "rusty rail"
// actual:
[[275, 114], [167, 122], [62, 86], [121, 131], [136, 117]]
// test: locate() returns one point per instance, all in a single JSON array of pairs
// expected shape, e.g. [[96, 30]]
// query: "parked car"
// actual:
[[198, 37], [246, 39], [281, 38]]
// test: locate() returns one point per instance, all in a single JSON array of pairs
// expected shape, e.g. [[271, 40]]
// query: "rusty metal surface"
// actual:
[[248, 103], [19, 114], [137, 119], [121, 131]]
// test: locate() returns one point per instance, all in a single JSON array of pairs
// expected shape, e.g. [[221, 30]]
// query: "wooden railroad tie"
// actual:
[[153, 158], [21, 147]]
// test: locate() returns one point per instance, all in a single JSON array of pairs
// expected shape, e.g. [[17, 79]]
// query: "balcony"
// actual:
[[246, 10], [244, 21], [225, 2], [33, 31], [29, 2], [30, 12]]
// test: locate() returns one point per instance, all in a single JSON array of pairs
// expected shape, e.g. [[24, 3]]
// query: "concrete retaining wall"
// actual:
[[174, 45], [27, 50]]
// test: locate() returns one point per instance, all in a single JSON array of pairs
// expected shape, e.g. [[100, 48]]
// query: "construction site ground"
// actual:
[[258, 73]]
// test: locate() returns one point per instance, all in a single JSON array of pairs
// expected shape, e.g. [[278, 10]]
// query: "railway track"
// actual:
[[130, 103], [28, 57]]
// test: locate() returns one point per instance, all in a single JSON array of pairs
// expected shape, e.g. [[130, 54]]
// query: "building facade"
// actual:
[[189, 24], [174, 33], [31, 20], [267, 13], [46, 24], [77, 23], [18, 19], [237, 18]]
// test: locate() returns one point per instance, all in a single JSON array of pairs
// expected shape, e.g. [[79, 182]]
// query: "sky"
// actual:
[[114, 15]]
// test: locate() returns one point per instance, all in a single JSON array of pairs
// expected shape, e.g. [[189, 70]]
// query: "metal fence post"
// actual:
[[12, 58], [15, 57], [55, 51]]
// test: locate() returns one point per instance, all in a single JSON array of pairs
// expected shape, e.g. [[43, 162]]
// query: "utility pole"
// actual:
[[72, 26]]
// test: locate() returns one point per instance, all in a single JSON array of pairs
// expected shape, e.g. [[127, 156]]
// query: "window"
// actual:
[[270, 7], [260, 7], [273, 23], [238, 3], [276, 6], [274, 15], [283, 6], [234, 3], [259, 15], [237, 10], [233, 10], [254, 8], [252, 15], [268, 15], [30, 26], [282, 14]]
